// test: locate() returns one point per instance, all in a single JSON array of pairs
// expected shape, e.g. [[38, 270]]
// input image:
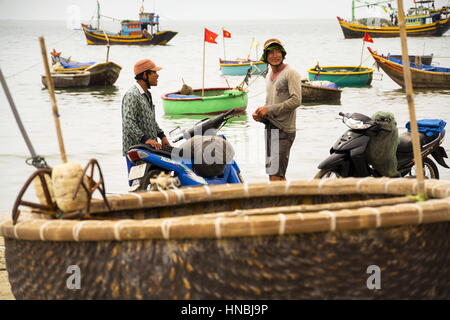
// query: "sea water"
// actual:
[[91, 118]]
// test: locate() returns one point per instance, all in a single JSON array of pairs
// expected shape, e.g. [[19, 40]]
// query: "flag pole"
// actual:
[[250, 50], [362, 51], [203, 77], [410, 98], [224, 58]]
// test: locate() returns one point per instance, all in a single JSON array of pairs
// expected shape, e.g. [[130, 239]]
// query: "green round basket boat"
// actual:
[[343, 76], [317, 239], [214, 101]]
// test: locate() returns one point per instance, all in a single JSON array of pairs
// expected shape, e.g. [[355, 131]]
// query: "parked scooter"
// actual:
[[347, 156], [150, 163]]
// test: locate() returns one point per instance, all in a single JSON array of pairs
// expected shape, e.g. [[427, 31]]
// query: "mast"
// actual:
[[353, 10], [98, 15]]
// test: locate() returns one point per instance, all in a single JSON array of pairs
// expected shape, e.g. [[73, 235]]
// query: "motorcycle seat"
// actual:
[[405, 142], [165, 152]]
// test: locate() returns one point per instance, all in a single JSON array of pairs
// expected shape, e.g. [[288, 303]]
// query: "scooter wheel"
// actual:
[[431, 170], [327, 174]]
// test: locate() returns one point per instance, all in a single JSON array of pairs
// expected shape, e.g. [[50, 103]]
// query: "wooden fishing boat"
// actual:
[[318, 92], [214, 101], [144, 31], [421, 21], [343, 76], [68, 79], [422, 76], [100, 74], [241, 67], [317, 239]]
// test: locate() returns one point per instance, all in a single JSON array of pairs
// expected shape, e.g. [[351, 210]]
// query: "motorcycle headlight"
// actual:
[[356, 124]]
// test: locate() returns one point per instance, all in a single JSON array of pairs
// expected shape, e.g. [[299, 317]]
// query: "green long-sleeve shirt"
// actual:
[[138, 118], [284, 96]]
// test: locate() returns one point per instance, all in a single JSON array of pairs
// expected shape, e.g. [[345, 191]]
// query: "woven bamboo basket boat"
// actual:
[[296, 240]]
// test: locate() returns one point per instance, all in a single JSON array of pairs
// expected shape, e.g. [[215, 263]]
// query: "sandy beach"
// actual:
[[5, 289]]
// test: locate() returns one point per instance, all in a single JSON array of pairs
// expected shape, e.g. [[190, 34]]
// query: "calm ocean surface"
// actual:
[[91, 119]]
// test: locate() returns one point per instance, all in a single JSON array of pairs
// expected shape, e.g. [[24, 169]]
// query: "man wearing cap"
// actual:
[[283, 97], [138, 111]]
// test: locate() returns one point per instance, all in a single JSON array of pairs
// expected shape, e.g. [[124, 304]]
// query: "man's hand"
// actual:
[[256, 117], [155, 144], [260, 113], [165, 142]]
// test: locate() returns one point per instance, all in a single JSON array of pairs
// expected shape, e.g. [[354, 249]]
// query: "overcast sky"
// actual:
[[184, 9]]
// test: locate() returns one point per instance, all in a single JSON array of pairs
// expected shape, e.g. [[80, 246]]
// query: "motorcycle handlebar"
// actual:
[[206, 124]]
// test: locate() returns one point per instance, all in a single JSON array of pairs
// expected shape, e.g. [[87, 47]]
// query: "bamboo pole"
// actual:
[[51, 92], [410, 99]]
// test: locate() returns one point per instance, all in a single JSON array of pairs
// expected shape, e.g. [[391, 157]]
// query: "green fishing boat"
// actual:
[[343, 76], [214, 101]]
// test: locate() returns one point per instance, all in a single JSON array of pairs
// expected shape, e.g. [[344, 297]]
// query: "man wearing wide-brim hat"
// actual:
[[138, 111], [283, 97]]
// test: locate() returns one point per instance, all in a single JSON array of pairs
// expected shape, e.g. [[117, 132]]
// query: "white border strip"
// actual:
[[165, 229], [217, 228], [42, 230], [208, 191], [180, 195], [286, 188], [76, 230], [246, 192], [140, 199], [282, 228], [377, 214], [332, 216]]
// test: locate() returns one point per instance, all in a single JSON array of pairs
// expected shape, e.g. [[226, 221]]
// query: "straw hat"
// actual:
[[144, 65]]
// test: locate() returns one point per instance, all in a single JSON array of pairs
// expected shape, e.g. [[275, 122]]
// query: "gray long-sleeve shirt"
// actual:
[[138, 118], [284, 96]]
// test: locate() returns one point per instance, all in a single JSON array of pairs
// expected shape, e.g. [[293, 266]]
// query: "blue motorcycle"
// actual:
[[147, 163]]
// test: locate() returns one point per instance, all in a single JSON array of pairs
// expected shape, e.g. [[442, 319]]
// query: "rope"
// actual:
[[34, 65]]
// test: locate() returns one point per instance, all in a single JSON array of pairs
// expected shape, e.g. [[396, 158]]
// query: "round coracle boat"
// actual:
[[213, 101], [343, 76], [317, 239]]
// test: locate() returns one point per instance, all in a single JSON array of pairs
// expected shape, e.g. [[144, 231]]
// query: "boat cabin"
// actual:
[[135, 27]]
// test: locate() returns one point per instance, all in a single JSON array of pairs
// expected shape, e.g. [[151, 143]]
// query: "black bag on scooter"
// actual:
[[382, 147], [209, 154]]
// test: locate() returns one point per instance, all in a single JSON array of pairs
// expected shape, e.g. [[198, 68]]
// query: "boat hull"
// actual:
[[215, 101], [234, 68], [419, 78], [104, 74], [334, 254], [315, 94], [68, 79], [347, 76], [434, 29], [95, 37]]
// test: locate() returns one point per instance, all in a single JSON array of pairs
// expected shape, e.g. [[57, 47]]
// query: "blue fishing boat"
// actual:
[[240, 67], [422, 76]]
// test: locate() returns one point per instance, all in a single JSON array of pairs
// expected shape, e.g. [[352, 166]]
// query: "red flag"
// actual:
[[226, 34], [210, 36], [367, 37]]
